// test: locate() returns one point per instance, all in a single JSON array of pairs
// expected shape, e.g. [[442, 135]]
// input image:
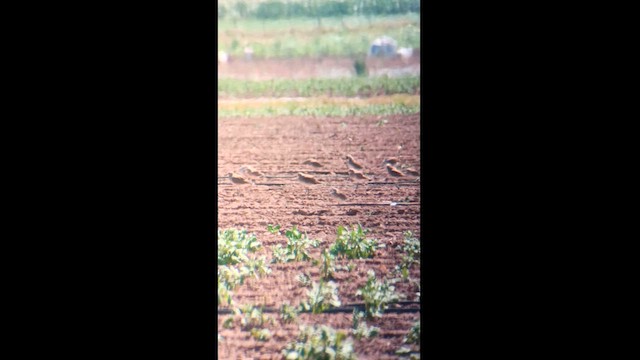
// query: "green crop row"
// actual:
[[315, 342], [323, 110], [348, 87]]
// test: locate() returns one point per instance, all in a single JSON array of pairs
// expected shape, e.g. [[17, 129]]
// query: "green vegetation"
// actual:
[[234, 245], [411, 254], [349, 36], [323, 110], [235, 249], [327, 265], [321, 297], [235, 264], [320, 343], [278, 9], [360, 329], [253, 320], [354, 244], [288, 313], [304, 280], [347, 87], [298, 246], [413, 337], [377, 295]]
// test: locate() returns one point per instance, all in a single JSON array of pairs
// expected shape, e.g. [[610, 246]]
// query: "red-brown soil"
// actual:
[[277, 147]]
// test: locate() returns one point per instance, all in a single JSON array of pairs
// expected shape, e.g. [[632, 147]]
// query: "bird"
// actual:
[[357, 175], [412, 172], [237, 179], [338, 195], [312, 162], [352, 163], [307, 179], [391, 160], [393, 171], [249, 170]]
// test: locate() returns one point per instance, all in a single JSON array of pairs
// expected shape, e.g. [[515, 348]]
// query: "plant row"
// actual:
[[234, 250], [343, 87], [321, 110]]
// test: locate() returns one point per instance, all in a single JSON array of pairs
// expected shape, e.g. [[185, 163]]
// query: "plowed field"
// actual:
[[386, 205]]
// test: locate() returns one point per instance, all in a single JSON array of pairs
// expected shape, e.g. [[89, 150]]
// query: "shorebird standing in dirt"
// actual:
[[248, 170], [238, 180], [313, 162], [412, 172], [338, 195], [391, 160], [307, 180], [357, 175], [393, 171], [352, 163]]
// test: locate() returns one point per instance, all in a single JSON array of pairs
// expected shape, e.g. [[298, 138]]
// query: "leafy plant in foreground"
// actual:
[[252, 317], [274, 229], [413, 337], [320, 343], [327, 266], [298, 246], [411, 254], [360, 329], [261, 334], [354, 244], [234, 245], [304, 280], [377, 295], [288, 313], [321, 297]]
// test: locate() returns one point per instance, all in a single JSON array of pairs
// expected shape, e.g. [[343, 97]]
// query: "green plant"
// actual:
[[234, 245], [288, 313], [413, 337], [321, 297], [354, 244], [298, 246], [360, 329], [351, 266], [343, 87], [228, 322], [257, 267], [411, 254], [327, 267], [224, 294], [274, 229], [252, 317], [261, 334], [377, 295], [304, 280], [320, 343]]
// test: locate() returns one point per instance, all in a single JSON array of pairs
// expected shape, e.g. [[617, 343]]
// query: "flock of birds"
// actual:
[[355, 172]]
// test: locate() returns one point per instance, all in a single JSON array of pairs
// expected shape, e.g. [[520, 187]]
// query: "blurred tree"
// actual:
[[222, 11], [270, 10], [295, 9], [241, 8]]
